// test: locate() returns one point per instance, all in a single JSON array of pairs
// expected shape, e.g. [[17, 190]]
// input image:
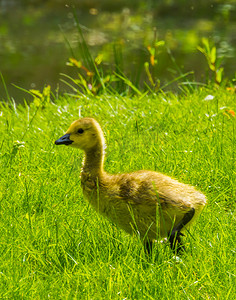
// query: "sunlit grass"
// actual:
[[53, 245]]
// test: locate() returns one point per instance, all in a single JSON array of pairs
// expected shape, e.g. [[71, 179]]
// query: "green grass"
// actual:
[[53, 245]]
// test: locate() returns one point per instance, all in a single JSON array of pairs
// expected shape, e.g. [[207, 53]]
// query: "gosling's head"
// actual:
[[85, 134]]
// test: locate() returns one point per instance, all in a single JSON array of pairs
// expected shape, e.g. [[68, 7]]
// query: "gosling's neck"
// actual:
[[93, 161]]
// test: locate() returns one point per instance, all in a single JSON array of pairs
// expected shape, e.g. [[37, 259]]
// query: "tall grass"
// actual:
[[109, 73], [53, 245]]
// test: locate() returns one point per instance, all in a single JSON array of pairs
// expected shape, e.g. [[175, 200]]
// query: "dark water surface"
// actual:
[[34, 51]]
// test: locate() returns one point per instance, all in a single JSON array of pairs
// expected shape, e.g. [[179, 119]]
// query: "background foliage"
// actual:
[[33, 33]]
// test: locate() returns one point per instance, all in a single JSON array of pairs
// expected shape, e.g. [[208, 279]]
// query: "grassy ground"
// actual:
[[53, 245]]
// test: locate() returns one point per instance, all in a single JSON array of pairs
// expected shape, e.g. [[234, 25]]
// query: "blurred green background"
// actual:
[[33, 33]]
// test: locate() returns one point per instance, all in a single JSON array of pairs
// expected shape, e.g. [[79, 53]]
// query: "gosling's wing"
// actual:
[[149, 189]]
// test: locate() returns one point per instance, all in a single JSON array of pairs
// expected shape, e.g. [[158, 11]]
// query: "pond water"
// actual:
[[34, 41]]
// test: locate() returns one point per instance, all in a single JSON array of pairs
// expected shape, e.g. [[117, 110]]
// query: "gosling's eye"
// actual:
[[80, 130]]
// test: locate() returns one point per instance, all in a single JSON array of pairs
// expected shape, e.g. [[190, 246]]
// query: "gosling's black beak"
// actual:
[[64, 140]]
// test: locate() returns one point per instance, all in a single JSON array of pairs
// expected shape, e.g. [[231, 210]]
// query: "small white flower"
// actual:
[[209, 98]]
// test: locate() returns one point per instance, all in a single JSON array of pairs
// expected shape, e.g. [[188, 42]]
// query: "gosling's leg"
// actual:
[[174, 237], [148, 246]]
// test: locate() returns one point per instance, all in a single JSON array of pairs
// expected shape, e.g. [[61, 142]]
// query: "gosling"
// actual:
[[149, 203]]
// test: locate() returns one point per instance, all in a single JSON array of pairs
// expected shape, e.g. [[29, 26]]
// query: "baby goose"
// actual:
[[146, 202]]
